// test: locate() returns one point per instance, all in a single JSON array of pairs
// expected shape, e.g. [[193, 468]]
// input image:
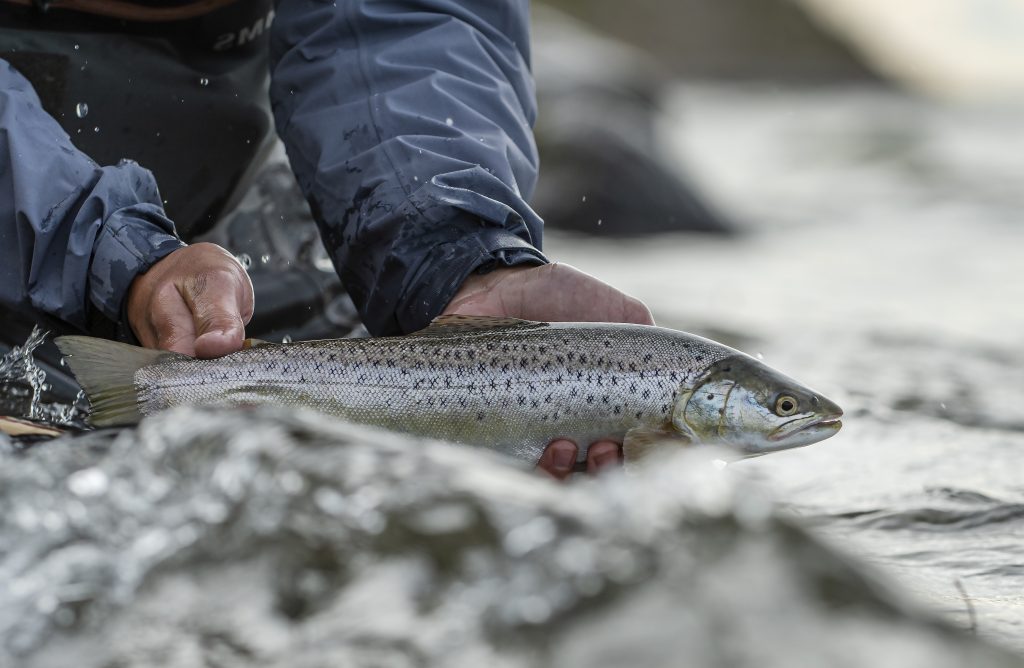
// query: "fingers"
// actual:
[[170, 323], [195, 301], [215, 300], [602, 456], [558, 459]]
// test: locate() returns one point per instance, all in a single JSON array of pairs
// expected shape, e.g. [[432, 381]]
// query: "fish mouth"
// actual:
[[814, 428]]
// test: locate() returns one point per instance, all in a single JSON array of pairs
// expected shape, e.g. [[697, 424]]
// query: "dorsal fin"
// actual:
[[455, 324]]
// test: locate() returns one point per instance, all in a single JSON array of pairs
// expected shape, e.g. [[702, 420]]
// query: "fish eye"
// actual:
[[785, 405]]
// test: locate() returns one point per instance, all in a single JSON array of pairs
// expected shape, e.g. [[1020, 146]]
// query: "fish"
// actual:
[[504, 384]]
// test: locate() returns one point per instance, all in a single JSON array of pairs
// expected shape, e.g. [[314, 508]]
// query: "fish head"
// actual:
[[739, 401]]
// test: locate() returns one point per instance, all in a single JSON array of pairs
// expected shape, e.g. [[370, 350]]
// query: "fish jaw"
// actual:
[[805, 431]]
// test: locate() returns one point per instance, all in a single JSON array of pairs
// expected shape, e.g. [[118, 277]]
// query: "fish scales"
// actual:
[[509, 385], [510, 390]]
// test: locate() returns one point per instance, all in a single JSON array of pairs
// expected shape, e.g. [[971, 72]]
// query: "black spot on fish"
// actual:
[[639, 415], [648, 357], [480, 417]]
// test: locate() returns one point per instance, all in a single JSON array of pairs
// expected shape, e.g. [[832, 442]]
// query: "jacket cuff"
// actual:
[[131, 241], [445, 268]]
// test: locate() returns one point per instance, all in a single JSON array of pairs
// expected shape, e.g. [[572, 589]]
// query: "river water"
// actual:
[[877, 262], [880, 263]]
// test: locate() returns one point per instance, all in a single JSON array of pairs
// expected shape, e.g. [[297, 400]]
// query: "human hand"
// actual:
[[553, 293], [196, 301]]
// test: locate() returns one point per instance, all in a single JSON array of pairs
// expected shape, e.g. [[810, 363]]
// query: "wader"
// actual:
[[181, 88]]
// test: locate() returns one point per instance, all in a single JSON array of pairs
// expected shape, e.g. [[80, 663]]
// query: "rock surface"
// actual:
[[264, 539]]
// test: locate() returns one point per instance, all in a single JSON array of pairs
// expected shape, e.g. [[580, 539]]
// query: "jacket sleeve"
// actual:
[[408, 125], [73, 234]]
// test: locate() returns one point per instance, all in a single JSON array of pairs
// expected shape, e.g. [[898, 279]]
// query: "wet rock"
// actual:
[[604, 168], [263, 539], [771, 40]]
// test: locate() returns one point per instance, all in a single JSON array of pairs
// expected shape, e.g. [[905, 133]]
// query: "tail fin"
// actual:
[[106, 371]]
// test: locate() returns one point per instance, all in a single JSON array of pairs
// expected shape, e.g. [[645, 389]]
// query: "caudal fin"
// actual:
[[106, 371]]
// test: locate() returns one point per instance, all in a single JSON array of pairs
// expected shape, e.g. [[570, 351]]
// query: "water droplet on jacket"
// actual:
[[449, 121], [81, 110], [244, 260], [204, 82], [287, 338]]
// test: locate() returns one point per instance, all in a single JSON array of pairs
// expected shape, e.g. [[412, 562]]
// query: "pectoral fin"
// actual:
[[642, 442]]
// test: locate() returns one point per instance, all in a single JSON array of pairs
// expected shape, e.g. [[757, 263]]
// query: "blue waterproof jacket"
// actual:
[[407, 125]]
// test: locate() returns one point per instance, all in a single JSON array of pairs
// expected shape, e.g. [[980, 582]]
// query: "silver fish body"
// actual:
[[510, 386]]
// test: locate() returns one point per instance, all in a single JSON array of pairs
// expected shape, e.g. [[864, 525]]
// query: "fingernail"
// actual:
[[606, 459], [562, 458]]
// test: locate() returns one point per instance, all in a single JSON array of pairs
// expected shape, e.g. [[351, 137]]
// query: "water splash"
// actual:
[[23, 386], [19, 372], [244, 534]]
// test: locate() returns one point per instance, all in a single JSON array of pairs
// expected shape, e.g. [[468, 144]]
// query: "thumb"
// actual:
[[220, 302]]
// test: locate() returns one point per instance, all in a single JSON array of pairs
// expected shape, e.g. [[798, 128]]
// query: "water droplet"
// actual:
[[287, 338], [759, 356], [264, 259], [449, 121], [599, 221], [244, 260], [96, 129], [942, 406], [81, 110], [584, 199], [76, 47], [204, 82]]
